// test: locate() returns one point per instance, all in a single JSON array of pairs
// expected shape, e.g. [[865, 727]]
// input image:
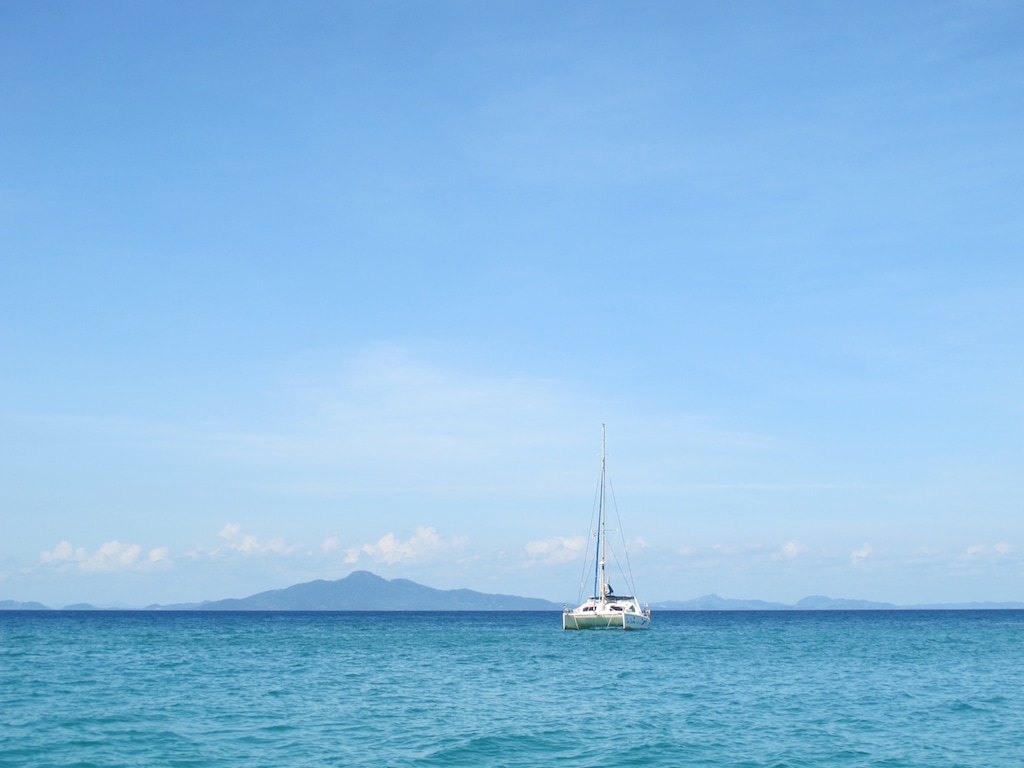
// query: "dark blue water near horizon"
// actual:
[[864, 688]]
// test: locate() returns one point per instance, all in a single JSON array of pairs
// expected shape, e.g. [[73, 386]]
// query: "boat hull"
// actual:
[[610, 620]]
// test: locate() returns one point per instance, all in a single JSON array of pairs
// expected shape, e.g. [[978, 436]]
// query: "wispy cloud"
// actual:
[[424, 544], [387, 406], [235, 540], [790, 550], [639, 544], [979, 551], [861, 554], [556, 549], [389, 420]]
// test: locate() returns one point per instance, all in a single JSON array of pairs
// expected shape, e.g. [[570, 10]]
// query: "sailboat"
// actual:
[[605, 609]]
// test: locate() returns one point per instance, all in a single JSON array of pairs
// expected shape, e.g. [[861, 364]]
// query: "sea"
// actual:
[[864, 688]]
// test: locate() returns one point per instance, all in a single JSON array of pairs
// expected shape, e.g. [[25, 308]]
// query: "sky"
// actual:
[[292, 290]]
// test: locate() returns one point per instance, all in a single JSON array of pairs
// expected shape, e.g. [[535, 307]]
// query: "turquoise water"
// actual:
[[365, 689]]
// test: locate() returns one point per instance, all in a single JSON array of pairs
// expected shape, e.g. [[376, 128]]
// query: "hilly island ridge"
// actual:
[[365, 591]]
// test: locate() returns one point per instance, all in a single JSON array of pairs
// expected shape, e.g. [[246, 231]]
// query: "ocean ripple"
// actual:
[[764, 690]]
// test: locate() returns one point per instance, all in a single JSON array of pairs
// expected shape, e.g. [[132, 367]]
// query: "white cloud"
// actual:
[[330, 544], [63, 552], [235, 540], [974, 551], [111, 556], [790, 550], [978, 551], [424, 544], [557, 549], [861, 554], [280, 547]]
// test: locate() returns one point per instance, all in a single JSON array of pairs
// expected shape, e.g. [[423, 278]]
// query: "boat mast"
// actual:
[[601, 521]]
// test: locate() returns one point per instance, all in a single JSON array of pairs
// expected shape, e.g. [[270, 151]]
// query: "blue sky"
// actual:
[[287, 291]]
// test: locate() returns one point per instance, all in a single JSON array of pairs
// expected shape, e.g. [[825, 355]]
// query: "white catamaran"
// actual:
[[605, 610]]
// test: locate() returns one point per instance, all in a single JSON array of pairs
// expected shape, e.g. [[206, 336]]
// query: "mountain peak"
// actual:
[[367, 576]]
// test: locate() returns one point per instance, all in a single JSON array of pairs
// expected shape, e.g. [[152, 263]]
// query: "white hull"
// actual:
[[605, 620], [611, 613]]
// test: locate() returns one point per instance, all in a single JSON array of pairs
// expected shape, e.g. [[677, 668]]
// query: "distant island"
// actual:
[[365, 591], [821, 603], [359, 591], [14, 605]]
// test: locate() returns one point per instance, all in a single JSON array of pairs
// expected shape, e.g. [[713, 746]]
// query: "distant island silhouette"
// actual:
[[365, 591]]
